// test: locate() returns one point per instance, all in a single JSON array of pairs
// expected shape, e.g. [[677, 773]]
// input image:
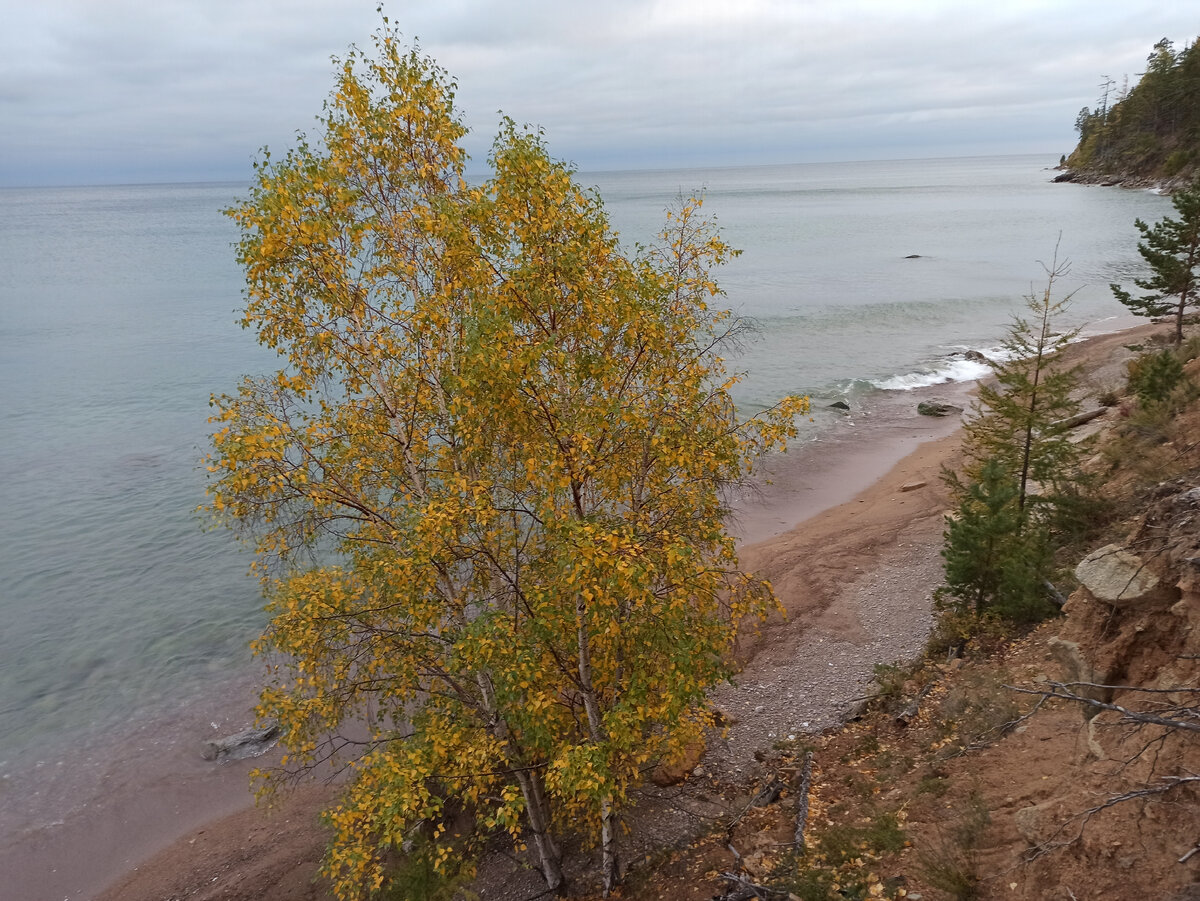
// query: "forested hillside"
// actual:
[[1150, 131]]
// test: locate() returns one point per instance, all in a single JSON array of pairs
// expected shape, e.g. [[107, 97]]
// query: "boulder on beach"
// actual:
[[937, 408]]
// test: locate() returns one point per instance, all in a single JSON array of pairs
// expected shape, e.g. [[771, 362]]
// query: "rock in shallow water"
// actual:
[[937, 408], [247, 743]]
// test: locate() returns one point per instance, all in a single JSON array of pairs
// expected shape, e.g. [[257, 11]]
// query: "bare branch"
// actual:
[[1167, 784], [1060, 690]]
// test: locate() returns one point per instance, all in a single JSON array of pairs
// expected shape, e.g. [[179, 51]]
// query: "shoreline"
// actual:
[[834, 520]]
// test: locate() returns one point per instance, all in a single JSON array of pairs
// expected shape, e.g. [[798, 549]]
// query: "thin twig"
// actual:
[[983, 739]]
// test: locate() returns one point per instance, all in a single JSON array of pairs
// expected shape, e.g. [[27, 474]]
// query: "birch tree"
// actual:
[[485, 485]]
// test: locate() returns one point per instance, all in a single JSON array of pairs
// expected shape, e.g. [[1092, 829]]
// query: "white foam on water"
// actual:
[[951, 371]]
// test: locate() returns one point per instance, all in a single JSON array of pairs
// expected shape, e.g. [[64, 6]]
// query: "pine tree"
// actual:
[[1018, 419], [1172, 250], [995, 555], [1021, 480]]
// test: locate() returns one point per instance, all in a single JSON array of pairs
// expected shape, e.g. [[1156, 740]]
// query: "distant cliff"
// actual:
[[1148, 133]]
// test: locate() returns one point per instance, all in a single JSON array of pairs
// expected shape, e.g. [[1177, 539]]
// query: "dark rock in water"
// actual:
[[839, 405], [1065, 176], [937, 408], [976, 357], [913, 256], [247, 743]]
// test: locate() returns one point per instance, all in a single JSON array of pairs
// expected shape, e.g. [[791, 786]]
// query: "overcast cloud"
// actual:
[[98, 91]]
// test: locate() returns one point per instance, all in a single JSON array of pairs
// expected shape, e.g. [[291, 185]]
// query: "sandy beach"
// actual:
[[849, 532]]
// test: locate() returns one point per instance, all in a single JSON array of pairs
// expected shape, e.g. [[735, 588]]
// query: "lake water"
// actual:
[[118, 309]]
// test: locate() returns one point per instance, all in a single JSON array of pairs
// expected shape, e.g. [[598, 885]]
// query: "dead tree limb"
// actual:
[[1063, 690], [1084, 816], [909, 713], [802, 800], [768, 794], [1078, 419], [743, 889]]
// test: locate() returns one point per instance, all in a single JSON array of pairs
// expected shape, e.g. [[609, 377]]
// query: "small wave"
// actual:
[[960, 370]]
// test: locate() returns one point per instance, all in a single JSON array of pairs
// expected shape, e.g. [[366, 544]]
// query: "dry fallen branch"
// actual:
[[1167, 784], [1078, 419], [768, 794], [802, 800], [743, 889], [909, 713]]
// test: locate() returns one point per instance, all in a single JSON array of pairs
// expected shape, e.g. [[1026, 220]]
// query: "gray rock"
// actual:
[[1118, 577], [976, 357], [1189, 498], [937, 408], [1077, 668], [252, 742], [839, 405]]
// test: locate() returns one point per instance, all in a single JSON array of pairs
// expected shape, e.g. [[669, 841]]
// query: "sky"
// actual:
[[129, 91]]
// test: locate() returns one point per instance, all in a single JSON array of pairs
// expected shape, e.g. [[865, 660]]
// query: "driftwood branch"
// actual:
[[802, 800], [1078, 419]]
